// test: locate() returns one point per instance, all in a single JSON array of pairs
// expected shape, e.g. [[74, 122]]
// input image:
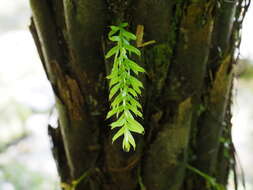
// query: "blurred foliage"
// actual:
[[22, 178], [12, 122], [244, 69], [15, 175]]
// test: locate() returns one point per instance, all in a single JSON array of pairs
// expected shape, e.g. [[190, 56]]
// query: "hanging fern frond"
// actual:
[[124, 87]]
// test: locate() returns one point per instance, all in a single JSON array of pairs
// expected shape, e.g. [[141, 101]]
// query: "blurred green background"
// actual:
[[26, 104]]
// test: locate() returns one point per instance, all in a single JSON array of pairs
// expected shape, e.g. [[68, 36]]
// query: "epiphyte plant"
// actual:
[[124, 87]]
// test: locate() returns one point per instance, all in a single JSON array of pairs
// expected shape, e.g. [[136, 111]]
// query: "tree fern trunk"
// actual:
[[186, 99]]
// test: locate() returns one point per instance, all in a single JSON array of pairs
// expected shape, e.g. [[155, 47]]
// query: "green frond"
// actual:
[[124, 88]]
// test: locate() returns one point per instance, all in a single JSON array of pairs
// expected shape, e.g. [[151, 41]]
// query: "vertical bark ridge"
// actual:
[[75, 122], [183, 85], [167, 154], [157, 17], [220, 61], [213, 123]]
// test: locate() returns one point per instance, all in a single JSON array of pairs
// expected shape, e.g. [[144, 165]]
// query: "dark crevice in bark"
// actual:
[[59, 153], [59, 22]]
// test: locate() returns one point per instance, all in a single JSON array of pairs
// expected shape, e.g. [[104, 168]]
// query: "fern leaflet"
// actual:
[[124, 87]]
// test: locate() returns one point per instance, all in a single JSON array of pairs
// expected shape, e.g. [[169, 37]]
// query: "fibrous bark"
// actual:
[[186, 99]]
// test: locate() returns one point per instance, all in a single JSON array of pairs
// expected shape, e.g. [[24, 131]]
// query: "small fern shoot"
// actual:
[[124, 87]]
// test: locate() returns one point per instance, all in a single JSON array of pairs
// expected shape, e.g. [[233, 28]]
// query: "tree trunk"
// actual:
[[186, 101]]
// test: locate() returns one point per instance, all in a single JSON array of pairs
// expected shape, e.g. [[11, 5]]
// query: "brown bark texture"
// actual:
[[186, 100]]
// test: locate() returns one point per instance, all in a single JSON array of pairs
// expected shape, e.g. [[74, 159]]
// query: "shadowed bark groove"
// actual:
[[186, 101], [59, 153]]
